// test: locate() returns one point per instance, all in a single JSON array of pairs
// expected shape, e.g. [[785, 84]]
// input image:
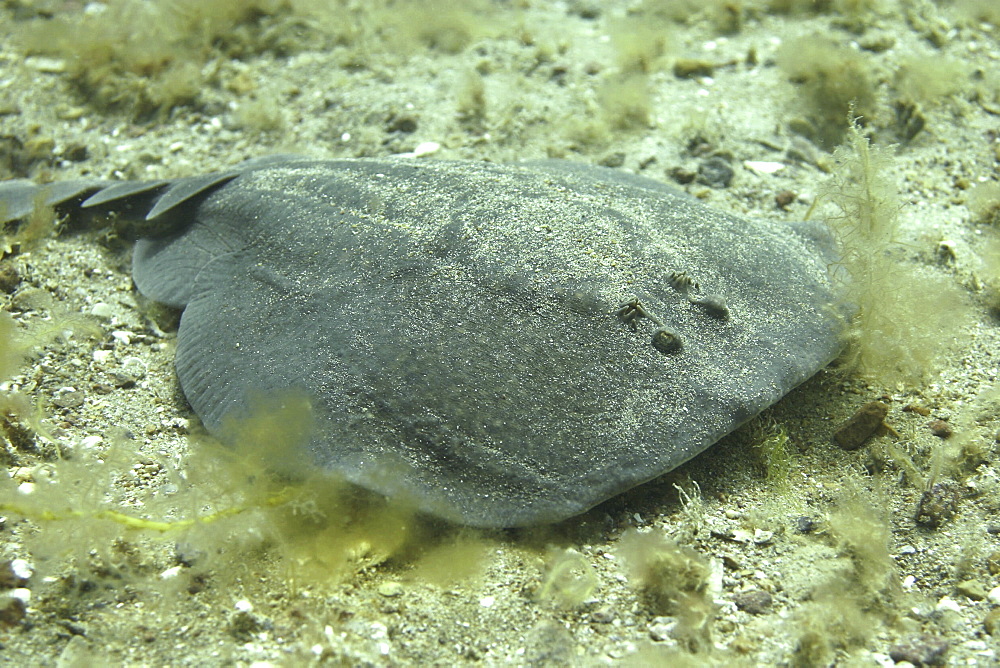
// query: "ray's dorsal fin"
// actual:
[[19, 197], [122, 191], [138, 200], [182, 190]]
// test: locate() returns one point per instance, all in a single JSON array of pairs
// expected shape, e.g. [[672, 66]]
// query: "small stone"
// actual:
[[402, 124], [992, 622], [602, 616], [947, 605], [171, 572], [39, 148], [805, 524], [14, 573], [784, 199], [131, 371], [764, 167], [877, 42], [102, 310], [940, 428], [865, 423], [715, 172], [47, 65], [9, 278], [13, 609], [426, 148], [923, 651], [691, 68], [615, 159], [994, 596], [946, 252], [390, 589], [243, 626], [971, 589], [69, 399], [71, 113], [682, 176], [754, 601], [75, 152], [663, 630]]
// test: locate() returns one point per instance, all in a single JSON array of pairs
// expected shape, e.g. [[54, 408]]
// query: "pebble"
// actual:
[[865, 423], [14, 573], [715, 172], [663, 630], [390, 589], [754, 601], [806, 524], [131, 371], [9, 278], [602, 616], [693, 68], [993, 563], [971, 589], [784, 199], [763, 166], [992, 622], [69, 398], [102, 310], [13, 607], [922, 651], [994, 596], [47, 65], [940, 428], [947, 604]]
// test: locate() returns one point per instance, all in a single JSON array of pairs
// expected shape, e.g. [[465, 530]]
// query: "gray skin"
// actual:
[[502, 345]]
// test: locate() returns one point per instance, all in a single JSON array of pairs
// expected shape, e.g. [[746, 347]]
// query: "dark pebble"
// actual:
[[9, 278], [715, 172], [8, 578], [923, 651], [616, 159], [784, 199], [939, 428], [865, 423], [992, 622], [755, 601], [993, 563], [690, 68], [12, 611], [805, 524], [76, 153], [681, 175]]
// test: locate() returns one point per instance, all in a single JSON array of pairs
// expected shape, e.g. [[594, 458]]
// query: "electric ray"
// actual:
[[503, 344]]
